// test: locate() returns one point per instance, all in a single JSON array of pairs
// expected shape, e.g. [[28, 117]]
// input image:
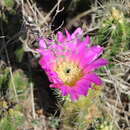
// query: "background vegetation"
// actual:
[[26, 101]]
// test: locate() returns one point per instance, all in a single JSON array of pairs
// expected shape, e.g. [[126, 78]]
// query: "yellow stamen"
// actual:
[[69, 72]]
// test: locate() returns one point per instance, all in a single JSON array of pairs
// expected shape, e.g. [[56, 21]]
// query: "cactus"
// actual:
[[85, 111], [12, 120], [114, 33], [12, 116]]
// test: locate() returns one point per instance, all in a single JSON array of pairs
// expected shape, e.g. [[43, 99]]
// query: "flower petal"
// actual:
[[60, 37], [65, 90], [68, 35], [73, 94], [86, 41], [91, 54], [92, 77], [42, 43], [96, 64], [77, 32], [83, 86]]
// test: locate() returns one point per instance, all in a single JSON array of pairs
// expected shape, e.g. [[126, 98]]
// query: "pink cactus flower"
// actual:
[[70, 63]]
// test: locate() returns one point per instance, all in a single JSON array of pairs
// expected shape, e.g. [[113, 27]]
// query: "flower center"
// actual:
[[69, 72]]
